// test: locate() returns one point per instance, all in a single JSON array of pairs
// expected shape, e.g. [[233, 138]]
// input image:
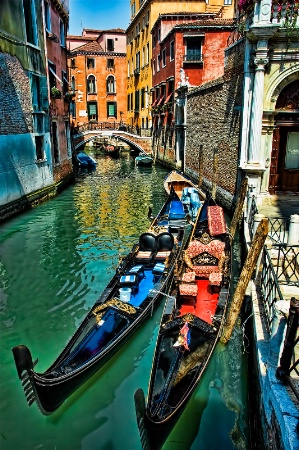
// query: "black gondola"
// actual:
[[128, 300], [190, 327]]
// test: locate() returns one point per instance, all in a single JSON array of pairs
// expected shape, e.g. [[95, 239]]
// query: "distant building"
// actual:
[[56, 23], [97, 64], [144, 15], [184, 46]]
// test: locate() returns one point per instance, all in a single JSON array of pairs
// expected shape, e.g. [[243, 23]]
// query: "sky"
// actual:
[[98, 15]]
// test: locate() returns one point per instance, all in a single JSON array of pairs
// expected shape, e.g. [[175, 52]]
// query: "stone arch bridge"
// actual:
[[142, 144]]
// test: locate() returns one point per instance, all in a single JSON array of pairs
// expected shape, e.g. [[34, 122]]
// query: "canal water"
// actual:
[[54, 262]]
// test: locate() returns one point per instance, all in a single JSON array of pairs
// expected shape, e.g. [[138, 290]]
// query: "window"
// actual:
[[110, 45], [128, 74], [52, 72], [164, 57], [73, 83], [73, 63], [228, 2], [143, 57], [171, 51], [91, 84], [92, 110], [47, 16], [35, 92], [159, 34], [111, 84], [110, 63], [193, 49], [65, 86], [138, 61], [62, 34], [154, 66], [142, 98], [111, 109], [158, 62], [147, 16], [55, 143], [73, 109], [137, 29], [136, 101], [292, 153], [30, 21], [129, 102], [147, 53], [39, 148], [133, 9], [90, 62], [68, 138]]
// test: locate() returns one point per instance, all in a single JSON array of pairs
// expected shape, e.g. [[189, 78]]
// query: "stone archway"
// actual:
[[284, 169]]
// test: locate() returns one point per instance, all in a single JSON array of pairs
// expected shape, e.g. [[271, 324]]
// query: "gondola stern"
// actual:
[[24, 365]]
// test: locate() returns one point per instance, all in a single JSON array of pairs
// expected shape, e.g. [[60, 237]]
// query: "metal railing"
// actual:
[[287, 264], [279, 266]]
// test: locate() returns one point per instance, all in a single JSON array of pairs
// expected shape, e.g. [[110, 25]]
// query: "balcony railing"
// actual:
[[285, 11], [193, 58]]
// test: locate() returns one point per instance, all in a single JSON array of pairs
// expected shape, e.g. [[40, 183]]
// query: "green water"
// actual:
[[54, 262]]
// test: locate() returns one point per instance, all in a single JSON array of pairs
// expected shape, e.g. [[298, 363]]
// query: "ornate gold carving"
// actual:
[[205, 239], [188, 317], [205, 259], [117, 304]]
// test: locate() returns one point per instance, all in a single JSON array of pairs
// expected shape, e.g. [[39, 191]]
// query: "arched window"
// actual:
[[73, 83], [111, 84], [91, 84]]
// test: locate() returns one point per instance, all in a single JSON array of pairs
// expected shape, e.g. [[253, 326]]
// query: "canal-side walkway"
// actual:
[[278, 404]]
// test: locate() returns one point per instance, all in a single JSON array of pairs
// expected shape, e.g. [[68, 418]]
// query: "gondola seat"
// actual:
[[137, 270], [129, 280], [157, 271], [215, 278], [147, 247], [165, 243]]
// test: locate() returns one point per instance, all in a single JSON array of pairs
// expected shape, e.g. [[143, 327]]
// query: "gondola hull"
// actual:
[[190, 327], [139, 284]]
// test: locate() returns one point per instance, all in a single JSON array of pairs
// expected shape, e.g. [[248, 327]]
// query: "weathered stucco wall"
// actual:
[[213, 122]]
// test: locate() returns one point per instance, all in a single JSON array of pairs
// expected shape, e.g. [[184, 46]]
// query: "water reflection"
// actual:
[[54, 262]]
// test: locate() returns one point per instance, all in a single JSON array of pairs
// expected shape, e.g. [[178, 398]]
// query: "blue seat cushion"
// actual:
[[128, 279], [158, 269], [136, 270]]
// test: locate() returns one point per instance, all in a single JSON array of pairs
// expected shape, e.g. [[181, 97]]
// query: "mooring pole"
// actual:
[[239, 208], [246, 273], [215, 170]]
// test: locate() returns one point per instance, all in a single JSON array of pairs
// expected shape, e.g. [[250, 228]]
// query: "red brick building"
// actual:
[[56, 24], [97, 64], [193, 43]]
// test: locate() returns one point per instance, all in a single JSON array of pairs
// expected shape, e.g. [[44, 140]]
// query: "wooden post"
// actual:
[[215, 170], [246, 273], [200, 166], [239, 208]]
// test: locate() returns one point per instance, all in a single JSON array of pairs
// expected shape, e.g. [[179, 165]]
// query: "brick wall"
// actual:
[[15, 97], [213, 122]]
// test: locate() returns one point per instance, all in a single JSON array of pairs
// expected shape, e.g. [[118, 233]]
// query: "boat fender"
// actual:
[[23, 359]]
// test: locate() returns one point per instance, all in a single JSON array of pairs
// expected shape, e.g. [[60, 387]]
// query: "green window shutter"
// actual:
[[92, 109], [111, 109]]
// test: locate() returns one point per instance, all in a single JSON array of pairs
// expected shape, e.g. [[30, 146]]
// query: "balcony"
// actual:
[[193, 58]]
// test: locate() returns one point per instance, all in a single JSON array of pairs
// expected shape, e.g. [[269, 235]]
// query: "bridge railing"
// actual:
[[113, 126]]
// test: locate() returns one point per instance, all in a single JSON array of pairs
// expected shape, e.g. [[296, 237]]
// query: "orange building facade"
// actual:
[[97, 64], [144, 14]]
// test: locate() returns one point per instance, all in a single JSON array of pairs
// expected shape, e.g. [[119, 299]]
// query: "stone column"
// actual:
[[257, 105], [293, 237]]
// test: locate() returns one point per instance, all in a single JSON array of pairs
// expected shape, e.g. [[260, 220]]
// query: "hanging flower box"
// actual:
[[55, 93]]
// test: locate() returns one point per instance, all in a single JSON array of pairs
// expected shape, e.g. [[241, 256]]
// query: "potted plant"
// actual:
[[68, 96], [55, 93]]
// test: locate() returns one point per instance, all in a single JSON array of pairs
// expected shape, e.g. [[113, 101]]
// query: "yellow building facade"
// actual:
[[144, 14]]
